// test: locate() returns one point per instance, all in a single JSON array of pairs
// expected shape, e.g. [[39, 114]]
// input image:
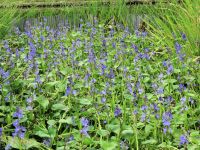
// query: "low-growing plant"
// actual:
[[94, 87]]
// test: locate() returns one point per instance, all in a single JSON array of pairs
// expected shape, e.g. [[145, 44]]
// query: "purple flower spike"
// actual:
[[184, 36], [178, 48], [84, 131], [84, 122], [160, 90], [117, 111], [170, 69], [183, 140], [18, 113], [1, 131], [68, 91]]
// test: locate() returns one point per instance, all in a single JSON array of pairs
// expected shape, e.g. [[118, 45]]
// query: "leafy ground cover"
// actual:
[[97, 87]]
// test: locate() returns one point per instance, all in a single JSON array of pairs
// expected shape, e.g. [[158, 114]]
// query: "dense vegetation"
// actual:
[[102, 85]]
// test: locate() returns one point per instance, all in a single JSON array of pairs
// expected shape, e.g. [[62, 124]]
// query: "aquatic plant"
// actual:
[[89, 87]]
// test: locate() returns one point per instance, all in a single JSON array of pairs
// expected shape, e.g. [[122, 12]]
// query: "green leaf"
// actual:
[[109, 145], [51, 84], [146, 79], [193, 147], [18, 143], [41, 131], [59, 106], [85, 101], [44, 102], [66, 71], [52, 132], [113, 127], [87, 141], [68, 120], [60, 148], [148, 129], [168, 81], [1, 114], [149, 95], [128, 96], [51, 122], [127, 132], [62, 121], [151, 141], [103, 132], [140, 125]]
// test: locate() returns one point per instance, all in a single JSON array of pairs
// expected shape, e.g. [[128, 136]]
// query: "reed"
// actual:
[[174, 19]]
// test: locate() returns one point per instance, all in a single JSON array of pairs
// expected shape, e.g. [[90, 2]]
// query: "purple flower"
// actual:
[[164, 63], [1, 131], [84, 122], [170, 69], [74, 92], [68, 91], [114, 45], [17, 53], [135, 112], [37, 79], [181, 87], [32, 52], [183, 36], [103, 67], [183, 99], [140, 90], [104, 43], [166, 118], [19, 130], [154, 85], [183, 140], [129, 86], [123, 145], [71, 138], [143, 117], [155, 107], [135, 48], [16, 123], [144, 107], [165, 130], [117, 111], [29, 108], [29, 100], [111, 75], [103, 99], [160, 90], [181, 57], [144, 34], [8, 147], [160, 76], [18, 114], [157, 116], [169, 99], [47, 142], [84, 131], [91, 57], [178, 48], [5, 74]]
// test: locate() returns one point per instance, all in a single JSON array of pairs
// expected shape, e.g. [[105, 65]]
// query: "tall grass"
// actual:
[[119, 12], [7, 18], [175, 19]]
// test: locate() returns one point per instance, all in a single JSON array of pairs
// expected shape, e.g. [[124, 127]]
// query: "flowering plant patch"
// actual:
[[92, 87]]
